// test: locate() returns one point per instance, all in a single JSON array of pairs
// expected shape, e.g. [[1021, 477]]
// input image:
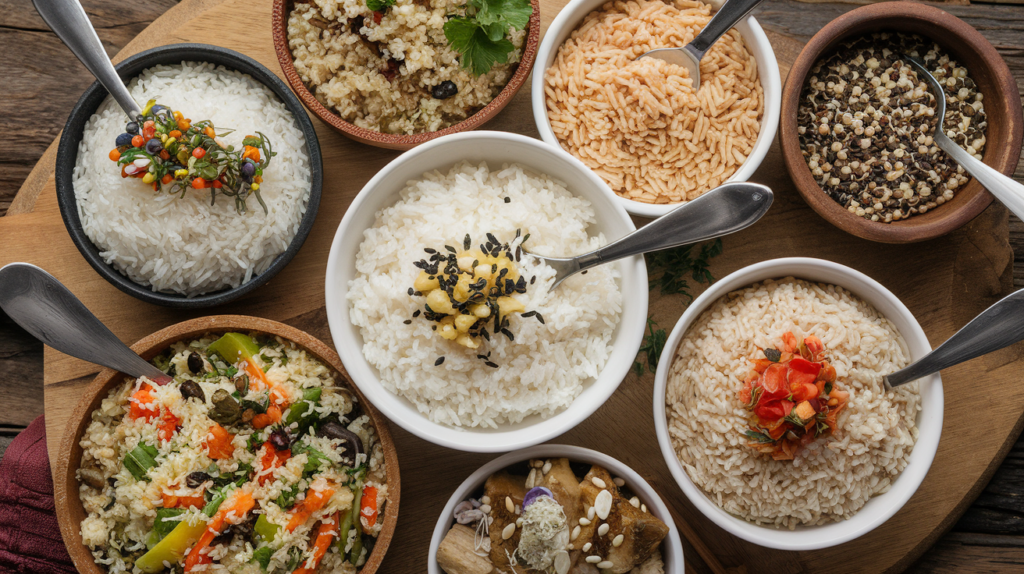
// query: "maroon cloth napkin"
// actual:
[[30, 540]]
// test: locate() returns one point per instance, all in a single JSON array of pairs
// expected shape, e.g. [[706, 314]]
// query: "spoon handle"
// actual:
[[721, 211], [46, 309], [731, 12], [1001, 325], [69, 21], [1007, 191]]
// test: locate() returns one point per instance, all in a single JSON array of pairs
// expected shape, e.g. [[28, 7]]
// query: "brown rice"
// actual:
[[831, 478], [638, 123]]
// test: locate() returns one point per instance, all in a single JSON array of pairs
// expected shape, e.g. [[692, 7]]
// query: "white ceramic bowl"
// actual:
[[878, 509], [757, 42], [671, 547], [495, 148]]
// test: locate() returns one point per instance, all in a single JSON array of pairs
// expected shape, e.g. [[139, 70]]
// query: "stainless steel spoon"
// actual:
[[721, 211], [1001, 325], [68, 20], [689, 56], [46, 309], [1008, 192]]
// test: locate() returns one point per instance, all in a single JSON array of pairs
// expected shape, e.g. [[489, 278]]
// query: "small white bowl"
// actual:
[[495, 148], [878, 509], [671, 547], [570, 17]]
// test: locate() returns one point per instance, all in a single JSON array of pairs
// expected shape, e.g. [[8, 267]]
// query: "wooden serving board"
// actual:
[[945, 283]]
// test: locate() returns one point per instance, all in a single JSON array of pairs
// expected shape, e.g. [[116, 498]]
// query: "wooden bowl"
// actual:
[[961, 42], [70, 512], [279, 22]]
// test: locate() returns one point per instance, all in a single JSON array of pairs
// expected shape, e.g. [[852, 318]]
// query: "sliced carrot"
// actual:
[[272, 458], [315, 500], [368, 507], [240, 503], [174, 501], [168, 425], [219, 445], [325, 535], [142, 406]]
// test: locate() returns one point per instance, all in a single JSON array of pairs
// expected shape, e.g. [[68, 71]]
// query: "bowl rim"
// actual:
[[1004, 158], [363, 374], [128, 69], [64, 473], [757, 42], [834, 533], [279, 31], [576, 453]]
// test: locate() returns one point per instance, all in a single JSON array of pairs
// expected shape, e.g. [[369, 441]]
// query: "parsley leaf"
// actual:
[[379, 5], [668, 268], [480, 35], [650, 350], [479, 51]]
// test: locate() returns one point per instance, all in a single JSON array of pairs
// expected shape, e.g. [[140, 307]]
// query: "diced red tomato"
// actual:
[[801, 371], [774, 381], [272, 458], [219, 445], [142, 406]]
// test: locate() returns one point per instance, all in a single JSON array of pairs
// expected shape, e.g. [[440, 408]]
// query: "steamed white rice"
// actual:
[[831, 478], [547, 365], [187, 246]]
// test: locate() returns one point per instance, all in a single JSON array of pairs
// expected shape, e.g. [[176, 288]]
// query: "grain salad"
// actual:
[[826, 472], [392, 68], [641, 124], [250, 460], [866, 121]]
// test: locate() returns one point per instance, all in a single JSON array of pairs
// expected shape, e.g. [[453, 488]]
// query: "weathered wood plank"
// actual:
[[21, 375]]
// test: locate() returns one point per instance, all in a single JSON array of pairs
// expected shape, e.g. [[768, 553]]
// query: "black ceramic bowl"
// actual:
[[67, 154]]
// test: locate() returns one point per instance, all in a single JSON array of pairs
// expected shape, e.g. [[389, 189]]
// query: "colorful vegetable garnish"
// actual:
[[470, 289], [793, 396], [480, 35], [172, 151]]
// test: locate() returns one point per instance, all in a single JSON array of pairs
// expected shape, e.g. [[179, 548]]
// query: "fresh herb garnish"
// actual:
[[480, 35], [262, 556], [668, 268], [759, 437], [140, 460], [379, 5], [650, 350]]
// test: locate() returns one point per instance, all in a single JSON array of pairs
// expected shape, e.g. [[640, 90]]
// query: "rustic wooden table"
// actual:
[[42, 80]]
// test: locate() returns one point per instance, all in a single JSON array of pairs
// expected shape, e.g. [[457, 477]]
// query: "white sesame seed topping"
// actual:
[[509, 506], [509, 530], [587, 546], [605, 564], [591, 512], [598, 482], [603, 504], [617, 541], [584, 522], [603, 529], [575, 533], [619, 482], [593, 559], [635, 502]]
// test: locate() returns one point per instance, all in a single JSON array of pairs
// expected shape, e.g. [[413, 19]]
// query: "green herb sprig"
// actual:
[[668, 269], [650, 350], [481, 35], [379, 5]]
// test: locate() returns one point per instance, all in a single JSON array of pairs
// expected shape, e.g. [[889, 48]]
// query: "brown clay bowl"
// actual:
[[279, 23], [961, 42], [70, 512]]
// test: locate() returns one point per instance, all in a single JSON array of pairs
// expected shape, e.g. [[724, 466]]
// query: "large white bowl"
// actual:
[[495, 148], [878, 509], [671, 547], [757, 42]]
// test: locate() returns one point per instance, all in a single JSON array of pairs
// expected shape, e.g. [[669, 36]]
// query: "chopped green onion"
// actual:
[[140, 460]]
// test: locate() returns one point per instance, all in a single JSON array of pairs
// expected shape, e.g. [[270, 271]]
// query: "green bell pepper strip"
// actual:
[[265, 528], [235, 347]]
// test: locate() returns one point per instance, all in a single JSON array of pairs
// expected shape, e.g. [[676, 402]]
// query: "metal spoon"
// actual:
[[1001, 325], [68, 20], [1008, 192], [45, 308], [721, 211], [689, 56]]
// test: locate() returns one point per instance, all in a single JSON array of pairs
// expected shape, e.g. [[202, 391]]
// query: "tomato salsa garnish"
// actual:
[[792, 396]]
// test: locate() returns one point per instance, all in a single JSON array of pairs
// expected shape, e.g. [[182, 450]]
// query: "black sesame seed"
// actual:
[[528, 314], [508, 200], [533, 280], [508, 334], [416, 313], [485, 334], [540, 318], [411, 291], [439, 361], [491, 365], [450, 248], [408, 321], [429, 250], [493, 239], [583, 272], [467, 242]]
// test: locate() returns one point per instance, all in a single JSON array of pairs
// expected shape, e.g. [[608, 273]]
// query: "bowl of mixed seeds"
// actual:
[[858, 122], [397, 73]]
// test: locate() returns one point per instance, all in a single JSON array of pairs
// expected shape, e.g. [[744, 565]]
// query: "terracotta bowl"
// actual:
[[70, 512], [961, 42], [279, 22]]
